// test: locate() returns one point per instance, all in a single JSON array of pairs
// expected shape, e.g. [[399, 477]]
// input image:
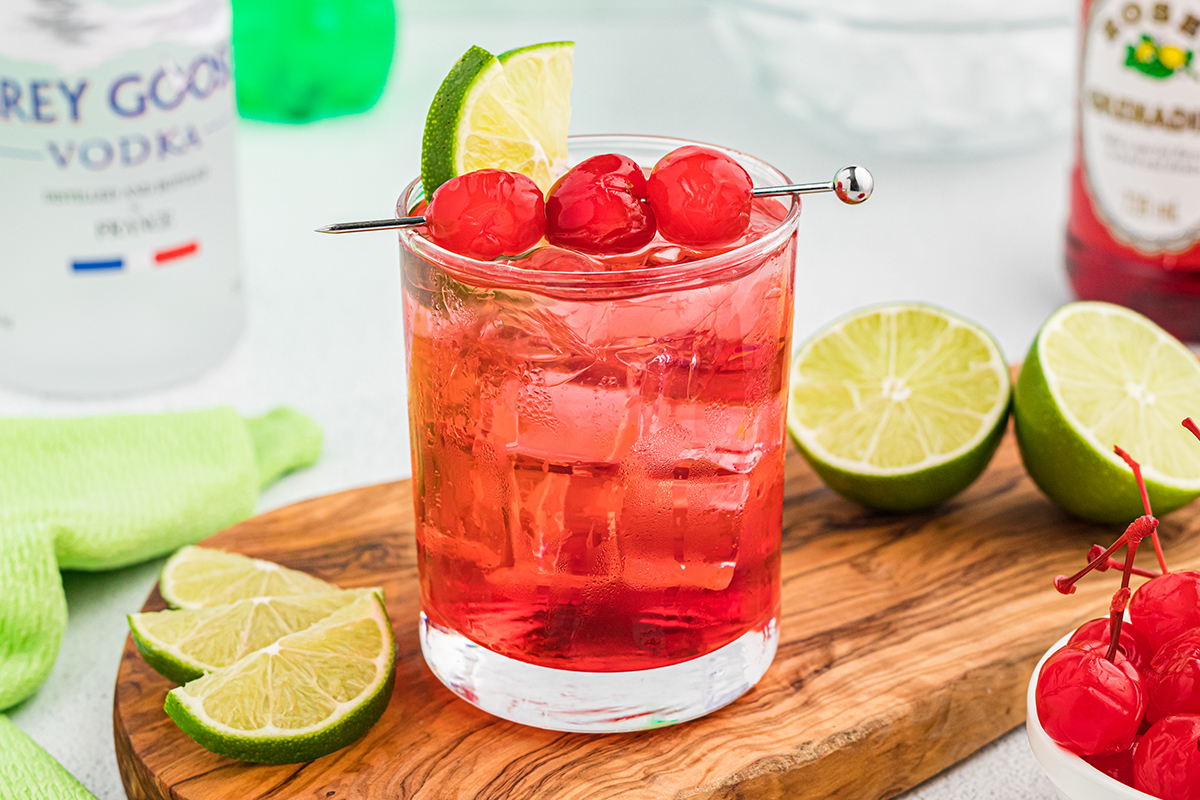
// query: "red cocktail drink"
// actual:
[[597, 449]]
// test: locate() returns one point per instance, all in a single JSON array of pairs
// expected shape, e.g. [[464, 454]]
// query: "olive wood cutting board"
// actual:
[[907, 643]]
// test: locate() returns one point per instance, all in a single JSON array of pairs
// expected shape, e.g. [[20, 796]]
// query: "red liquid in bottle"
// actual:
[[1134, 232]]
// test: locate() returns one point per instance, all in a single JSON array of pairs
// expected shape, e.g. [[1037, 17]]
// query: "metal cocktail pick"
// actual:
[[852, 185]]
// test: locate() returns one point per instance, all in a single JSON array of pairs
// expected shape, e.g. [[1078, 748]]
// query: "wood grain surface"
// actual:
[[907, 643]]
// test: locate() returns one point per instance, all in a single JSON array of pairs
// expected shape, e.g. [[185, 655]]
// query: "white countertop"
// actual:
[[324, 334]]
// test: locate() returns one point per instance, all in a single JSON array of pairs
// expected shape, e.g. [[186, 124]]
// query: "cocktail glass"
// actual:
[[598, 469]]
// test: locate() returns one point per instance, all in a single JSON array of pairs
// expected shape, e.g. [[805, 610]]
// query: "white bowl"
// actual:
[[1073, 778]]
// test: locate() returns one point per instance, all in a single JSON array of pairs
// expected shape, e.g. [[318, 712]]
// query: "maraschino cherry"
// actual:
[[486, 214], [1166, 762], [1173, 681], [700, 197], [1169, 605], [1089, 696], [1088, 703], [599, 207], [1132, 642], [1085, 705], [1116, 765]]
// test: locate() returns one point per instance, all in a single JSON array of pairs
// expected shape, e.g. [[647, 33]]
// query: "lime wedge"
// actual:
[[899, 407], [540, 78], [197, 577], [508, 113], [301, 698], [1100, 375], [184, 644]]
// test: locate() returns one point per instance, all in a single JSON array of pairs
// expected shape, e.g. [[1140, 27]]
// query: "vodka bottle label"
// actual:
[[119, 259]]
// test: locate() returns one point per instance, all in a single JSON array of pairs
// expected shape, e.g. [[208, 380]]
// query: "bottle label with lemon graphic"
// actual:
[[1139, 123]]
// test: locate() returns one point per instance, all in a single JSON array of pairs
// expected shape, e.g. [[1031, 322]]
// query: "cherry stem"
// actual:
[[1137, 530], [1112, 562], [1162, 561], [1137, 475], [1066, 585], [1116, 617]]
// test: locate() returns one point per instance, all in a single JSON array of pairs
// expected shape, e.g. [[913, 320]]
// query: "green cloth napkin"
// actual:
[[106, 492], [27, 772]]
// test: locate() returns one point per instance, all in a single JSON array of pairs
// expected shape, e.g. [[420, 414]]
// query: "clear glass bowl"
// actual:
[[917, 78]]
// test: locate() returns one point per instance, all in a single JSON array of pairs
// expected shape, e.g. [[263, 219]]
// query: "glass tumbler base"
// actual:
[[598, 702]]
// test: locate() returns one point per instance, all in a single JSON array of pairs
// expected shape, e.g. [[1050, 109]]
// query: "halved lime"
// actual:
[[184, 644], [507, 113], [1100, 375], [899, 407], [197, 577], [301, 698]]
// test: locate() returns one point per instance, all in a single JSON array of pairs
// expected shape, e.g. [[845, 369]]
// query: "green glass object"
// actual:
[[300, 60]]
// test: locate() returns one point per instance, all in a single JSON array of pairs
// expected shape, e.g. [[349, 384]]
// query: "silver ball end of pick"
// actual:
[[853, 185]]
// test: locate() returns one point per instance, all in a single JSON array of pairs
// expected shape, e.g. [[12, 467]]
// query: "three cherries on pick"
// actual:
[[605, 205]]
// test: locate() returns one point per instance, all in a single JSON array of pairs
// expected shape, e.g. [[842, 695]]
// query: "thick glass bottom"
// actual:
[[598, 702]]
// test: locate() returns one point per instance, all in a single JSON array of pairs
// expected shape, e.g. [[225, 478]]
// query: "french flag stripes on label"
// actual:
[[138, 261]]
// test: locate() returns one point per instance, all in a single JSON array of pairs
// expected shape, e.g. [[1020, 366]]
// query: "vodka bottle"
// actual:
[[119, 255]]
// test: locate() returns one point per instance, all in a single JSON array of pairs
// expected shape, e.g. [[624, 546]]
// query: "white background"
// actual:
[[324, 335]]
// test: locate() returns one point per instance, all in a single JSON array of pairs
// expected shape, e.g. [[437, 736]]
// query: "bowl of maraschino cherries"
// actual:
[[1114, 708]]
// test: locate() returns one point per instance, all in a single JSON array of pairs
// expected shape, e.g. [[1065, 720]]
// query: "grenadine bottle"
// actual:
[[1134, 232]]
